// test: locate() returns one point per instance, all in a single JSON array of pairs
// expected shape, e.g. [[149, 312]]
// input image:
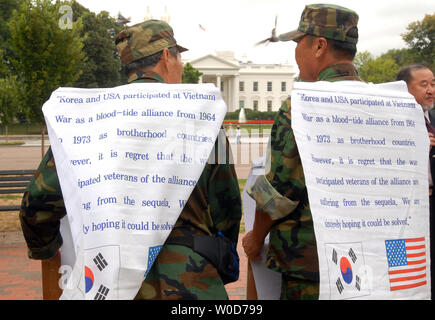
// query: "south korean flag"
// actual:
[[346, 270], [100, 275]]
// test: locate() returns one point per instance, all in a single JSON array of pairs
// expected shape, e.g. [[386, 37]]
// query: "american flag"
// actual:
[[406, 263], [153, 252]]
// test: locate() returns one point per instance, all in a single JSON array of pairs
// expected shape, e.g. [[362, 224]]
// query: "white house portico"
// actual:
[[260, 87]]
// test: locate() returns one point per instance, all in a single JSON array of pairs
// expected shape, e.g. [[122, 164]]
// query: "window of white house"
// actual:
[[241, 86], [269, 86], [255, 105], [283, 86], [255, 86]]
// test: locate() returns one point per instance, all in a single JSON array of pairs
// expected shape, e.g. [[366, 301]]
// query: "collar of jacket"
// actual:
[[342, 71], [145, 76]]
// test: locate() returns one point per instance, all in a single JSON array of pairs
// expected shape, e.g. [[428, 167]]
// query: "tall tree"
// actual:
[[190, 74], [421, 39], [376, 70], [46, 55], [402, 57], [9, 101], [101, 67], [6, 9]]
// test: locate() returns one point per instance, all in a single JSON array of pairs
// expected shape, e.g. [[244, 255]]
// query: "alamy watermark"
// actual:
[[66, 20]]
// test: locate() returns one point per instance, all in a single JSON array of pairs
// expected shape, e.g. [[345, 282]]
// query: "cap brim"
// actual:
[[181, 49], [292, 35]]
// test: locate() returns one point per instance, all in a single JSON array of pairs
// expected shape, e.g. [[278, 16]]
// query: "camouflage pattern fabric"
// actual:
[[299, 289], [42, 208], [328, 21], [292, 244], [145, 39], [179, 273], [215, 204]]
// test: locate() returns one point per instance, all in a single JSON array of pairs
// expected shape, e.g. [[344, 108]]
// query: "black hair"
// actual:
[[405, 73], [343, 49]]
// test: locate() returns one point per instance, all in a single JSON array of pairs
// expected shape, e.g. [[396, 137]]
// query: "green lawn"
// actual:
[[21, 129]]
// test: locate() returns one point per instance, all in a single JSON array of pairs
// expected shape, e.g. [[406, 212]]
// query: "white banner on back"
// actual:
[[128, 159], [365, 152]]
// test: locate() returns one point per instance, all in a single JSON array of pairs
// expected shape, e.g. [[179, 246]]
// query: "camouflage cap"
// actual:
[[145, 39], [328, 21]]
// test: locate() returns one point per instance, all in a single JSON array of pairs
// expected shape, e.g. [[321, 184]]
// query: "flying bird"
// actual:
[[273, 37], [122, 20]]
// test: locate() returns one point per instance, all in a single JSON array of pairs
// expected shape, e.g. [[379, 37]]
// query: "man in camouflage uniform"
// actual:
[[326, 45], [150, 54]]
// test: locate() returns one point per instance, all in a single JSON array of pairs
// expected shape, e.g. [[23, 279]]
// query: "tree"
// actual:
[[8, 101], [46, 55], [421, 40], [379, 70], [6, 9], [101, 67], [190, 74], [402, 57]]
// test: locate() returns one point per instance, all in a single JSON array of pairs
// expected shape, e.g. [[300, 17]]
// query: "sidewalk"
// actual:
[[20, 277]]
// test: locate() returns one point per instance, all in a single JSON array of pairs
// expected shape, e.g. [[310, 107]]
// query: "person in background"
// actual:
[[421, 84]]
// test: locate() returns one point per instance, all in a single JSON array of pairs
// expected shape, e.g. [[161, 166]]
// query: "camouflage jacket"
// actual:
[[214, 204], [283, 195]]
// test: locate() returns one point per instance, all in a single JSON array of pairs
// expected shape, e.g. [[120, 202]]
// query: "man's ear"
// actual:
[[165, 57], [320, 46]]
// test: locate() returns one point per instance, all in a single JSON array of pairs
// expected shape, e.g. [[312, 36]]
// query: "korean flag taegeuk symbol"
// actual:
[[346, 270], [101, 272]]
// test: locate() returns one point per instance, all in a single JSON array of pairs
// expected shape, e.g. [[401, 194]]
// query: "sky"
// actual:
[[236, 25]]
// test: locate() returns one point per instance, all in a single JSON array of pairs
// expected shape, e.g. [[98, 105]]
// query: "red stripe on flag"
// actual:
[[415, 255], [415, 247], [407, 270], [409, 286], [414, 240], [420, 276], [416, 262]]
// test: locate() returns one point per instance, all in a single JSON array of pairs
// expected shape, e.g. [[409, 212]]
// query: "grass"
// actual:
[[21, 129], [9, 220], [11, 143], [10, 197]]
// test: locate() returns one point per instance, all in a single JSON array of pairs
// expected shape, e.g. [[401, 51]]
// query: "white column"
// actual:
[[200, 79], [218, 81], [235, 92]]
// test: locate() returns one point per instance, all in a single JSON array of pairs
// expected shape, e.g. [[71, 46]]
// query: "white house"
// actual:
[[260, 87]]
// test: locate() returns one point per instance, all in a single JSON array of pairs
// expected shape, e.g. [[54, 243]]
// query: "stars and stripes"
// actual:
[[407, 266], [153, 252]]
